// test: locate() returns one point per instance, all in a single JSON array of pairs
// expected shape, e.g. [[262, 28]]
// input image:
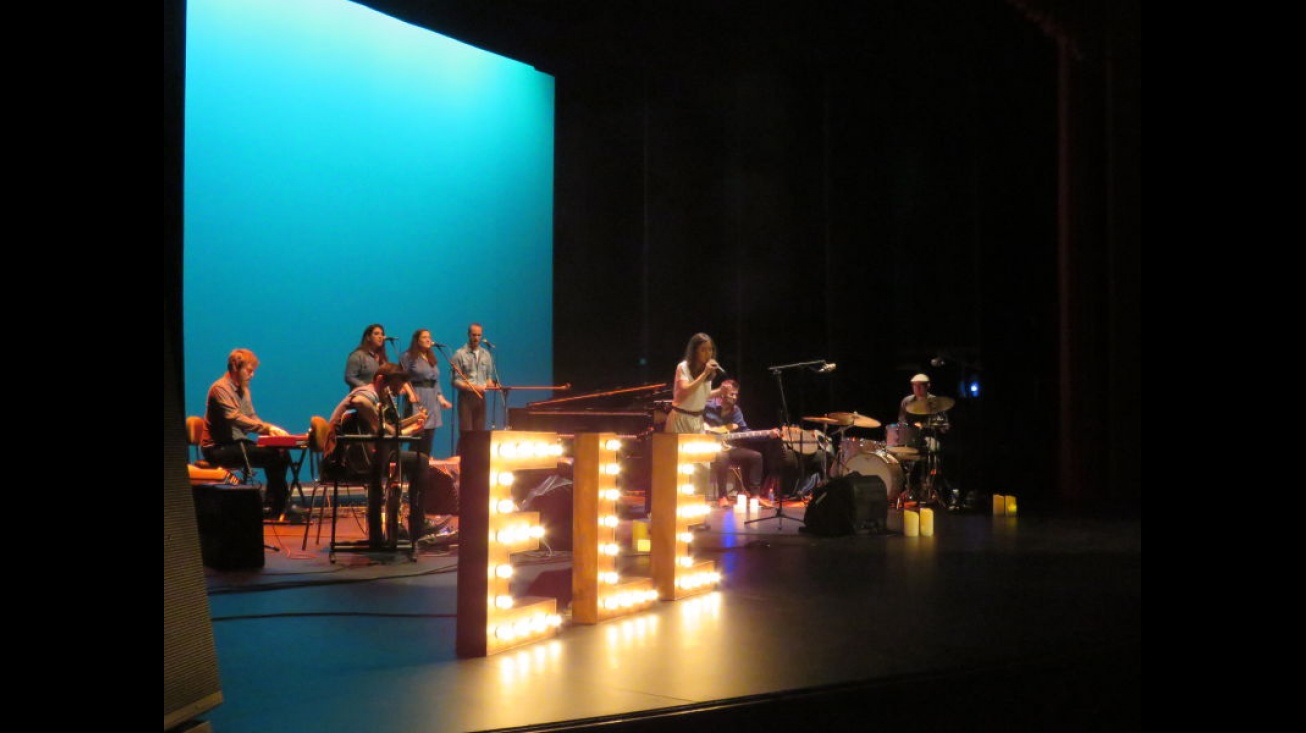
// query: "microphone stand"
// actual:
[[454, 424], [494, 369], [778, 371]]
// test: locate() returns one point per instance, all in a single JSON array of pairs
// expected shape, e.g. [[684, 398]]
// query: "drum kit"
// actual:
[[907, 460]]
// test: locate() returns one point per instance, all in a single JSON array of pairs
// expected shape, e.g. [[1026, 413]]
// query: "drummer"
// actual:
[[933, 419]]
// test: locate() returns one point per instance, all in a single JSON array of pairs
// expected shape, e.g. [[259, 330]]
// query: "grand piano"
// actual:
[[631, 411]]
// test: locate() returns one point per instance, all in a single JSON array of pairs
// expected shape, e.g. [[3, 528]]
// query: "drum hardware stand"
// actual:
[[925, 474], [778, 371], [840, 461]]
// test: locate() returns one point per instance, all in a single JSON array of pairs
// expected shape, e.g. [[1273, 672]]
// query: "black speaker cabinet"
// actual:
[[847, 504], [230, 521], [870, 501]]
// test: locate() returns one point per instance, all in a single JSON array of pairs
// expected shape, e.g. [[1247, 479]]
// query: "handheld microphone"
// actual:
[[487, 343], [720, 369], [391, 339]]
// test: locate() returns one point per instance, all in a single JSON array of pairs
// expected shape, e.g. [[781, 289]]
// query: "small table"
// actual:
[[289, 442]]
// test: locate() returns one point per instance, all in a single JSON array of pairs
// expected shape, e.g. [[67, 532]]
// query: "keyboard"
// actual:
[[283, 441]]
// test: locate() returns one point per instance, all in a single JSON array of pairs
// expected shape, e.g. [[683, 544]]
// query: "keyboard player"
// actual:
[[229, 420]]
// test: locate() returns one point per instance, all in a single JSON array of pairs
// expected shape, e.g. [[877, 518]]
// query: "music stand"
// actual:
[[383, 495], [784, 414]]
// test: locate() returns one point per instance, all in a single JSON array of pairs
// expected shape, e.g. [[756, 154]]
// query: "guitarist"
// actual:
[[372, 407], [722, 415]]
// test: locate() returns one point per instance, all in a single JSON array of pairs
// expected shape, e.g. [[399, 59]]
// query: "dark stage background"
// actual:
[[875, 186]]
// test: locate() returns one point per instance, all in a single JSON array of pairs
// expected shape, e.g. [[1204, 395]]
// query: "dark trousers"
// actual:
[[423, 491], [749, 462], [471, 415], [275, 462]]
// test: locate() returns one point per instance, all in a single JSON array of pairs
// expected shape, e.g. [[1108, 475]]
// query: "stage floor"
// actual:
[[994, 623]]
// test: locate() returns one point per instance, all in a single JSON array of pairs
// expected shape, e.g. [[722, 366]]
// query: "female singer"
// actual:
[[367, 357], [424, 377], [693, 385]]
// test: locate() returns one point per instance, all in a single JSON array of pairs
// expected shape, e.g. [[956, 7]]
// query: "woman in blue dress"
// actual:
[[424, 376]]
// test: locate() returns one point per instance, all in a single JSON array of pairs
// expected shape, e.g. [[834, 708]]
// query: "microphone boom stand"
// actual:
[[784, 412]]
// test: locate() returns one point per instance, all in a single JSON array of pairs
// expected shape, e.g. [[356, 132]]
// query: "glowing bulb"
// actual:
[[613, 444], [503, 571], [504, 602], [506, 506]]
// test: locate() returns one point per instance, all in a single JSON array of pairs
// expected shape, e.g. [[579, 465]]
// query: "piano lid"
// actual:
[[635, 397]]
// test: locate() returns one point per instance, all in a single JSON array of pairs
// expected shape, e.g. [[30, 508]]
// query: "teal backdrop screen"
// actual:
[[344, 168]]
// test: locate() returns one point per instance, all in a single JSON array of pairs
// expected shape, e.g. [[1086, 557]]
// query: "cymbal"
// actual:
[[824, 420], [855, 420], [930, 406]]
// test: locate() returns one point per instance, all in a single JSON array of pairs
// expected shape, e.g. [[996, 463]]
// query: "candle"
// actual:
[[999, 505], [639, 531], [1011, 506], [911, 523], [927, 523]]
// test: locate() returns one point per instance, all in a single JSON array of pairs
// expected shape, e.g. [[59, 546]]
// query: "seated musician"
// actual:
[[723, 415], [373, 409], [934, 419], [229, 419]]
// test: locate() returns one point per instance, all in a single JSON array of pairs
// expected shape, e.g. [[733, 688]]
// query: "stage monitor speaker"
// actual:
[[441, 496], [552, 499], [847, 504], [230, 521]]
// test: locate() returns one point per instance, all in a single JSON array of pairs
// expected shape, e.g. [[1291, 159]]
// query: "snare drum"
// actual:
[[902, 435], [883, 465]]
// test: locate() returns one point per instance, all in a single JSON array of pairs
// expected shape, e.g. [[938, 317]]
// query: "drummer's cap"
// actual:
[[920, 378]]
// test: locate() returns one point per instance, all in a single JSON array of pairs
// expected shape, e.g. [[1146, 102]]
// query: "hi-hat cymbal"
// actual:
[[853, 419], [930, 406], [824, 420]]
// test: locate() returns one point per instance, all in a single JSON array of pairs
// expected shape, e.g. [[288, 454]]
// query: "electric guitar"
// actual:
[[727, 436]]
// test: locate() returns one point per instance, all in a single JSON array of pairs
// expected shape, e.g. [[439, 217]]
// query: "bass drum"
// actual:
[[879, 464], [850, 448]]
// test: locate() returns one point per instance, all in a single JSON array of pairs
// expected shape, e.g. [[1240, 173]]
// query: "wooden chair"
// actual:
[[326, 485], [200, 470]]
